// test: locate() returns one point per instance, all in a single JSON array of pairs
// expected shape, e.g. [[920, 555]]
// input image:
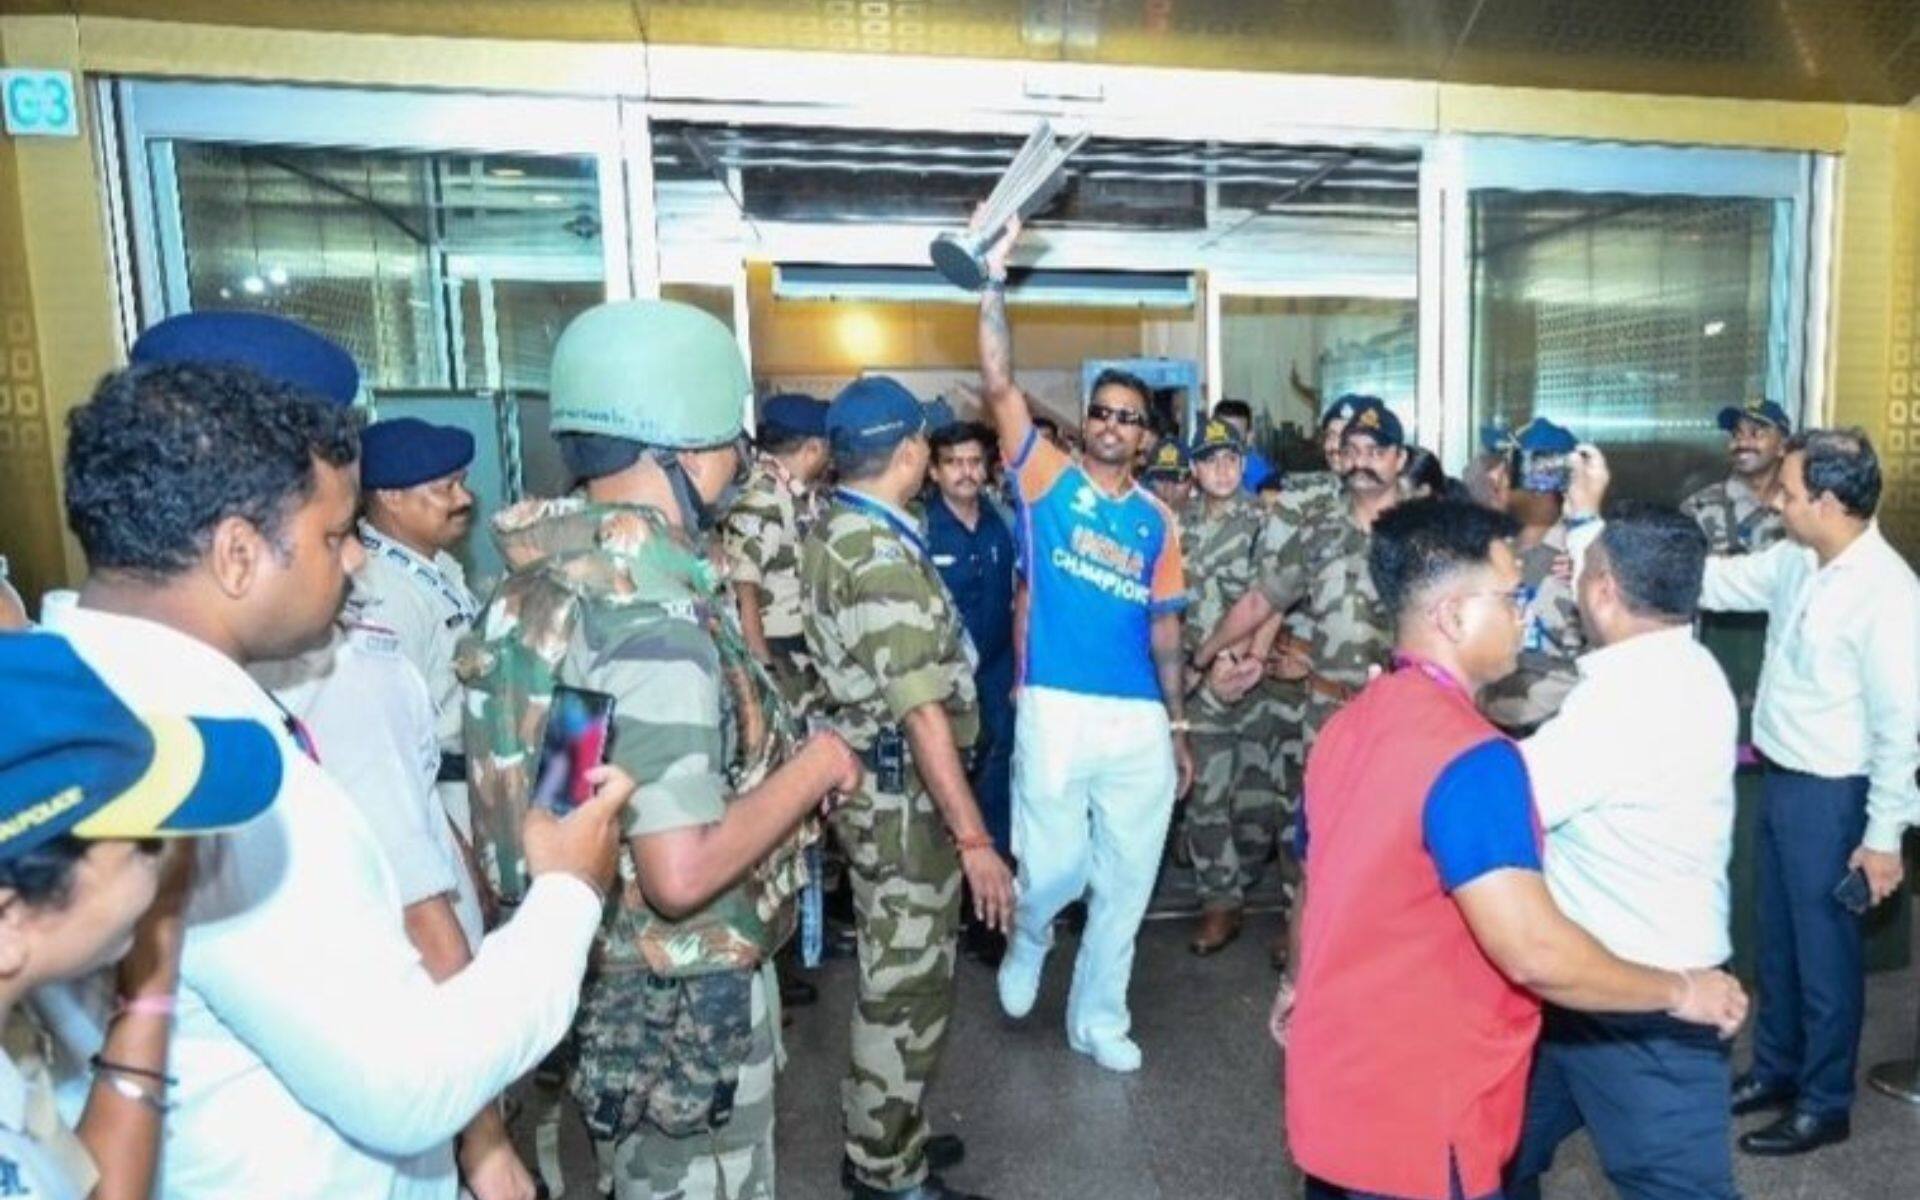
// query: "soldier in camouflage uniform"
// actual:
[[1306, 488], [1734, 513], [1538, 454], [897, 670], [1168, 474], [614, 591], [1231, 816], [762, 535], [1313, 559]]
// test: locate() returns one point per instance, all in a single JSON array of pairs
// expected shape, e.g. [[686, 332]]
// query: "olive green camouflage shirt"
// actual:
[[762, 536], [1549, 647], [883, 632], [1309, 488], [1219, 549], [1315, 556], [1735, 520], [610, 598]]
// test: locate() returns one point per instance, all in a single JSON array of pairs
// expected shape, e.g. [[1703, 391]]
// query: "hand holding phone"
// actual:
[[579, 730], [1853, 893]]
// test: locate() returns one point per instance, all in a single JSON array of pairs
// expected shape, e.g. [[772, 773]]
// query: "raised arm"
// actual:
[[1006, 407]]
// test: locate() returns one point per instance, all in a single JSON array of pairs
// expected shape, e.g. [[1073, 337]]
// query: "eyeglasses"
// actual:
[[1117, 416]]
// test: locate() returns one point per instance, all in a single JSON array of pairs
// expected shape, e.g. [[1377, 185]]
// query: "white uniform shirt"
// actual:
[[1634, 785], [1840, 687], [315, 1055], [428, 607]]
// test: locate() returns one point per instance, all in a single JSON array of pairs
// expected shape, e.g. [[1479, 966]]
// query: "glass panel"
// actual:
[[1632, 320], [434, 270], [1283, 355]]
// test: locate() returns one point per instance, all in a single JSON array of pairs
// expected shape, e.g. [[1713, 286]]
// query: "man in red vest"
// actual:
[[1428, 938]]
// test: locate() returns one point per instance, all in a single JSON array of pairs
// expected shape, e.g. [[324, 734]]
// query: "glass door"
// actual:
[[1630, 293]]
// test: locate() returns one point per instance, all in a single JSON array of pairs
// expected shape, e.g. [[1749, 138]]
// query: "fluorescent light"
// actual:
[[253, 285], [549, 198], [507, 173], [1714, 329], [277, 276]]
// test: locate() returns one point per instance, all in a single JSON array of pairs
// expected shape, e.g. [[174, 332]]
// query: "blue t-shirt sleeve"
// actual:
[[1479, 815]]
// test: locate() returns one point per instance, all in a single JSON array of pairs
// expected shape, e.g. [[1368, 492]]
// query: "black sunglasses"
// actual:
[[1117, 416]]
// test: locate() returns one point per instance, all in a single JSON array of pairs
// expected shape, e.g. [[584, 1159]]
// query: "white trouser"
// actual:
[[1093, 781]]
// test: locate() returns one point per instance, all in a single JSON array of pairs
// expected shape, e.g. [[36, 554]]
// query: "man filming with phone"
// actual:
[[1836, 722]]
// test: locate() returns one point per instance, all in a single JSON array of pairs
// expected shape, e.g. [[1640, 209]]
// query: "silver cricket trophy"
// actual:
[[1034, 177]]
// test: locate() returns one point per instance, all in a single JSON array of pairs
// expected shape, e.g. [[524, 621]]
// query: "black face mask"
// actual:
[[699, 516]]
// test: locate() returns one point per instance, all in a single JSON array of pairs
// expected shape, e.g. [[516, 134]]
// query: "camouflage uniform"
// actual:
[[886, 640], [1735, 520], [1533, 693], [1310, 488], [1232, 812], [762, 536], [1315, 556], [674, 1035]]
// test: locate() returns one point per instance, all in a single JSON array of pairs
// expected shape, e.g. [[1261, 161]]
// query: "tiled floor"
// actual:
[[1201, 1120]]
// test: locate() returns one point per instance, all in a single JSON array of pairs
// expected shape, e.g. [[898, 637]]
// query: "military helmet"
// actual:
[[653, 371]]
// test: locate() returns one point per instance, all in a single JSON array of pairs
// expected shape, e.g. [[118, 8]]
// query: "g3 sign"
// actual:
[[39, 103]]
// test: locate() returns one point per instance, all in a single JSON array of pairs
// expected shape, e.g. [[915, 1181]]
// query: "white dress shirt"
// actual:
[[1634, 784], [428, 607], [314, 1053], [1840, 688]]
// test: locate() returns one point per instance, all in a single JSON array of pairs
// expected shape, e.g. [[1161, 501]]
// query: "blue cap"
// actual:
[[1763, 411], [282, 350], [1371, 416], [1216, 436], [1538, 436], [75, 760], [795, 414], [1344, 408], [407, 451], [878, 413]]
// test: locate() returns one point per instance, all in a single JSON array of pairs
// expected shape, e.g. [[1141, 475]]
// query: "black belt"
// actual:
[[453, 769]]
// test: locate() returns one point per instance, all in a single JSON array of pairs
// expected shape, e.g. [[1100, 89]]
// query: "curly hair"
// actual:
[[160, 455]]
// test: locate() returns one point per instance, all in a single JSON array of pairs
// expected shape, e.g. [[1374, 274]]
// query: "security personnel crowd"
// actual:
[[812, 650]]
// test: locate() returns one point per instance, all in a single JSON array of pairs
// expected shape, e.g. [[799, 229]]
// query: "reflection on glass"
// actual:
[[1632, 320], [1289, 356], [433, 270]]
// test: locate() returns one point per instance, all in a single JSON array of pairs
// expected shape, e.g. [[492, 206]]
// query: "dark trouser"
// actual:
[[1812, 972], [992, 776], [1651, 1092]]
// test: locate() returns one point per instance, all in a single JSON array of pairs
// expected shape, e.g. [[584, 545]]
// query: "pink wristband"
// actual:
[[155, 1005]]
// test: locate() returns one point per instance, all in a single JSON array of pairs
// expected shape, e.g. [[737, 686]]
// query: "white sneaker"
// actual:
[[1120, 1054], [1019, 977]]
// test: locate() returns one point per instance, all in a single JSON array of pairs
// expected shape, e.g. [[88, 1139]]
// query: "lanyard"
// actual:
[[881, 512], [462, 603], [1432, 670]]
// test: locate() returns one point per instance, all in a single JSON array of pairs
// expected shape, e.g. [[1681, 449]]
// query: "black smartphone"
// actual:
[[579, 729], [1853, 893]]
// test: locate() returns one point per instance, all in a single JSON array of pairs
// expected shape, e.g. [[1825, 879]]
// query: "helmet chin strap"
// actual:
[[696, 515]]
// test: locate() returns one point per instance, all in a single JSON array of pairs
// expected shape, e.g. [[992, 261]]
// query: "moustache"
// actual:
[[1363, 473]]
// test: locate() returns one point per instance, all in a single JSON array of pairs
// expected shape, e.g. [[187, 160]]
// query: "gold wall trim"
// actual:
[[123, 46]]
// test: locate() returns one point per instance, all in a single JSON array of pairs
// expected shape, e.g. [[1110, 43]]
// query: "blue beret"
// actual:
[[878, 413], [794, 413], [282, 350], [407, 451], [1764, 411], [1370, 415]]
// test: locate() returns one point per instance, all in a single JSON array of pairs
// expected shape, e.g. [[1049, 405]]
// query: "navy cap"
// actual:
[[878, 413], [282, 350], [75, 760], [1167, 460], [1344, 408], [1215, 436], [1764, 411], [1371, 416], [1538, 436], [796, 414], [407, 451]]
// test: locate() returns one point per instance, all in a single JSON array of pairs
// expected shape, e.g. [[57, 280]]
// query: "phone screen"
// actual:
[[579, 726]]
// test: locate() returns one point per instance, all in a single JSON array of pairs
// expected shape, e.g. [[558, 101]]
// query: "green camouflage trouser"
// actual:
[[734, 1162], [1233, 813], [906, 896]]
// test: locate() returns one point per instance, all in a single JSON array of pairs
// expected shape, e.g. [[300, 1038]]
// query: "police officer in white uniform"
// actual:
[[416, 508]]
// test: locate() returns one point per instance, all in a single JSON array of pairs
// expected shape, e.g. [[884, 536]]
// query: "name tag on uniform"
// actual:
[[944, 560], [375, 641]]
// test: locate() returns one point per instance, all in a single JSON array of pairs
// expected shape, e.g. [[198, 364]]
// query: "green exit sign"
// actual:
[[39, 103]]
